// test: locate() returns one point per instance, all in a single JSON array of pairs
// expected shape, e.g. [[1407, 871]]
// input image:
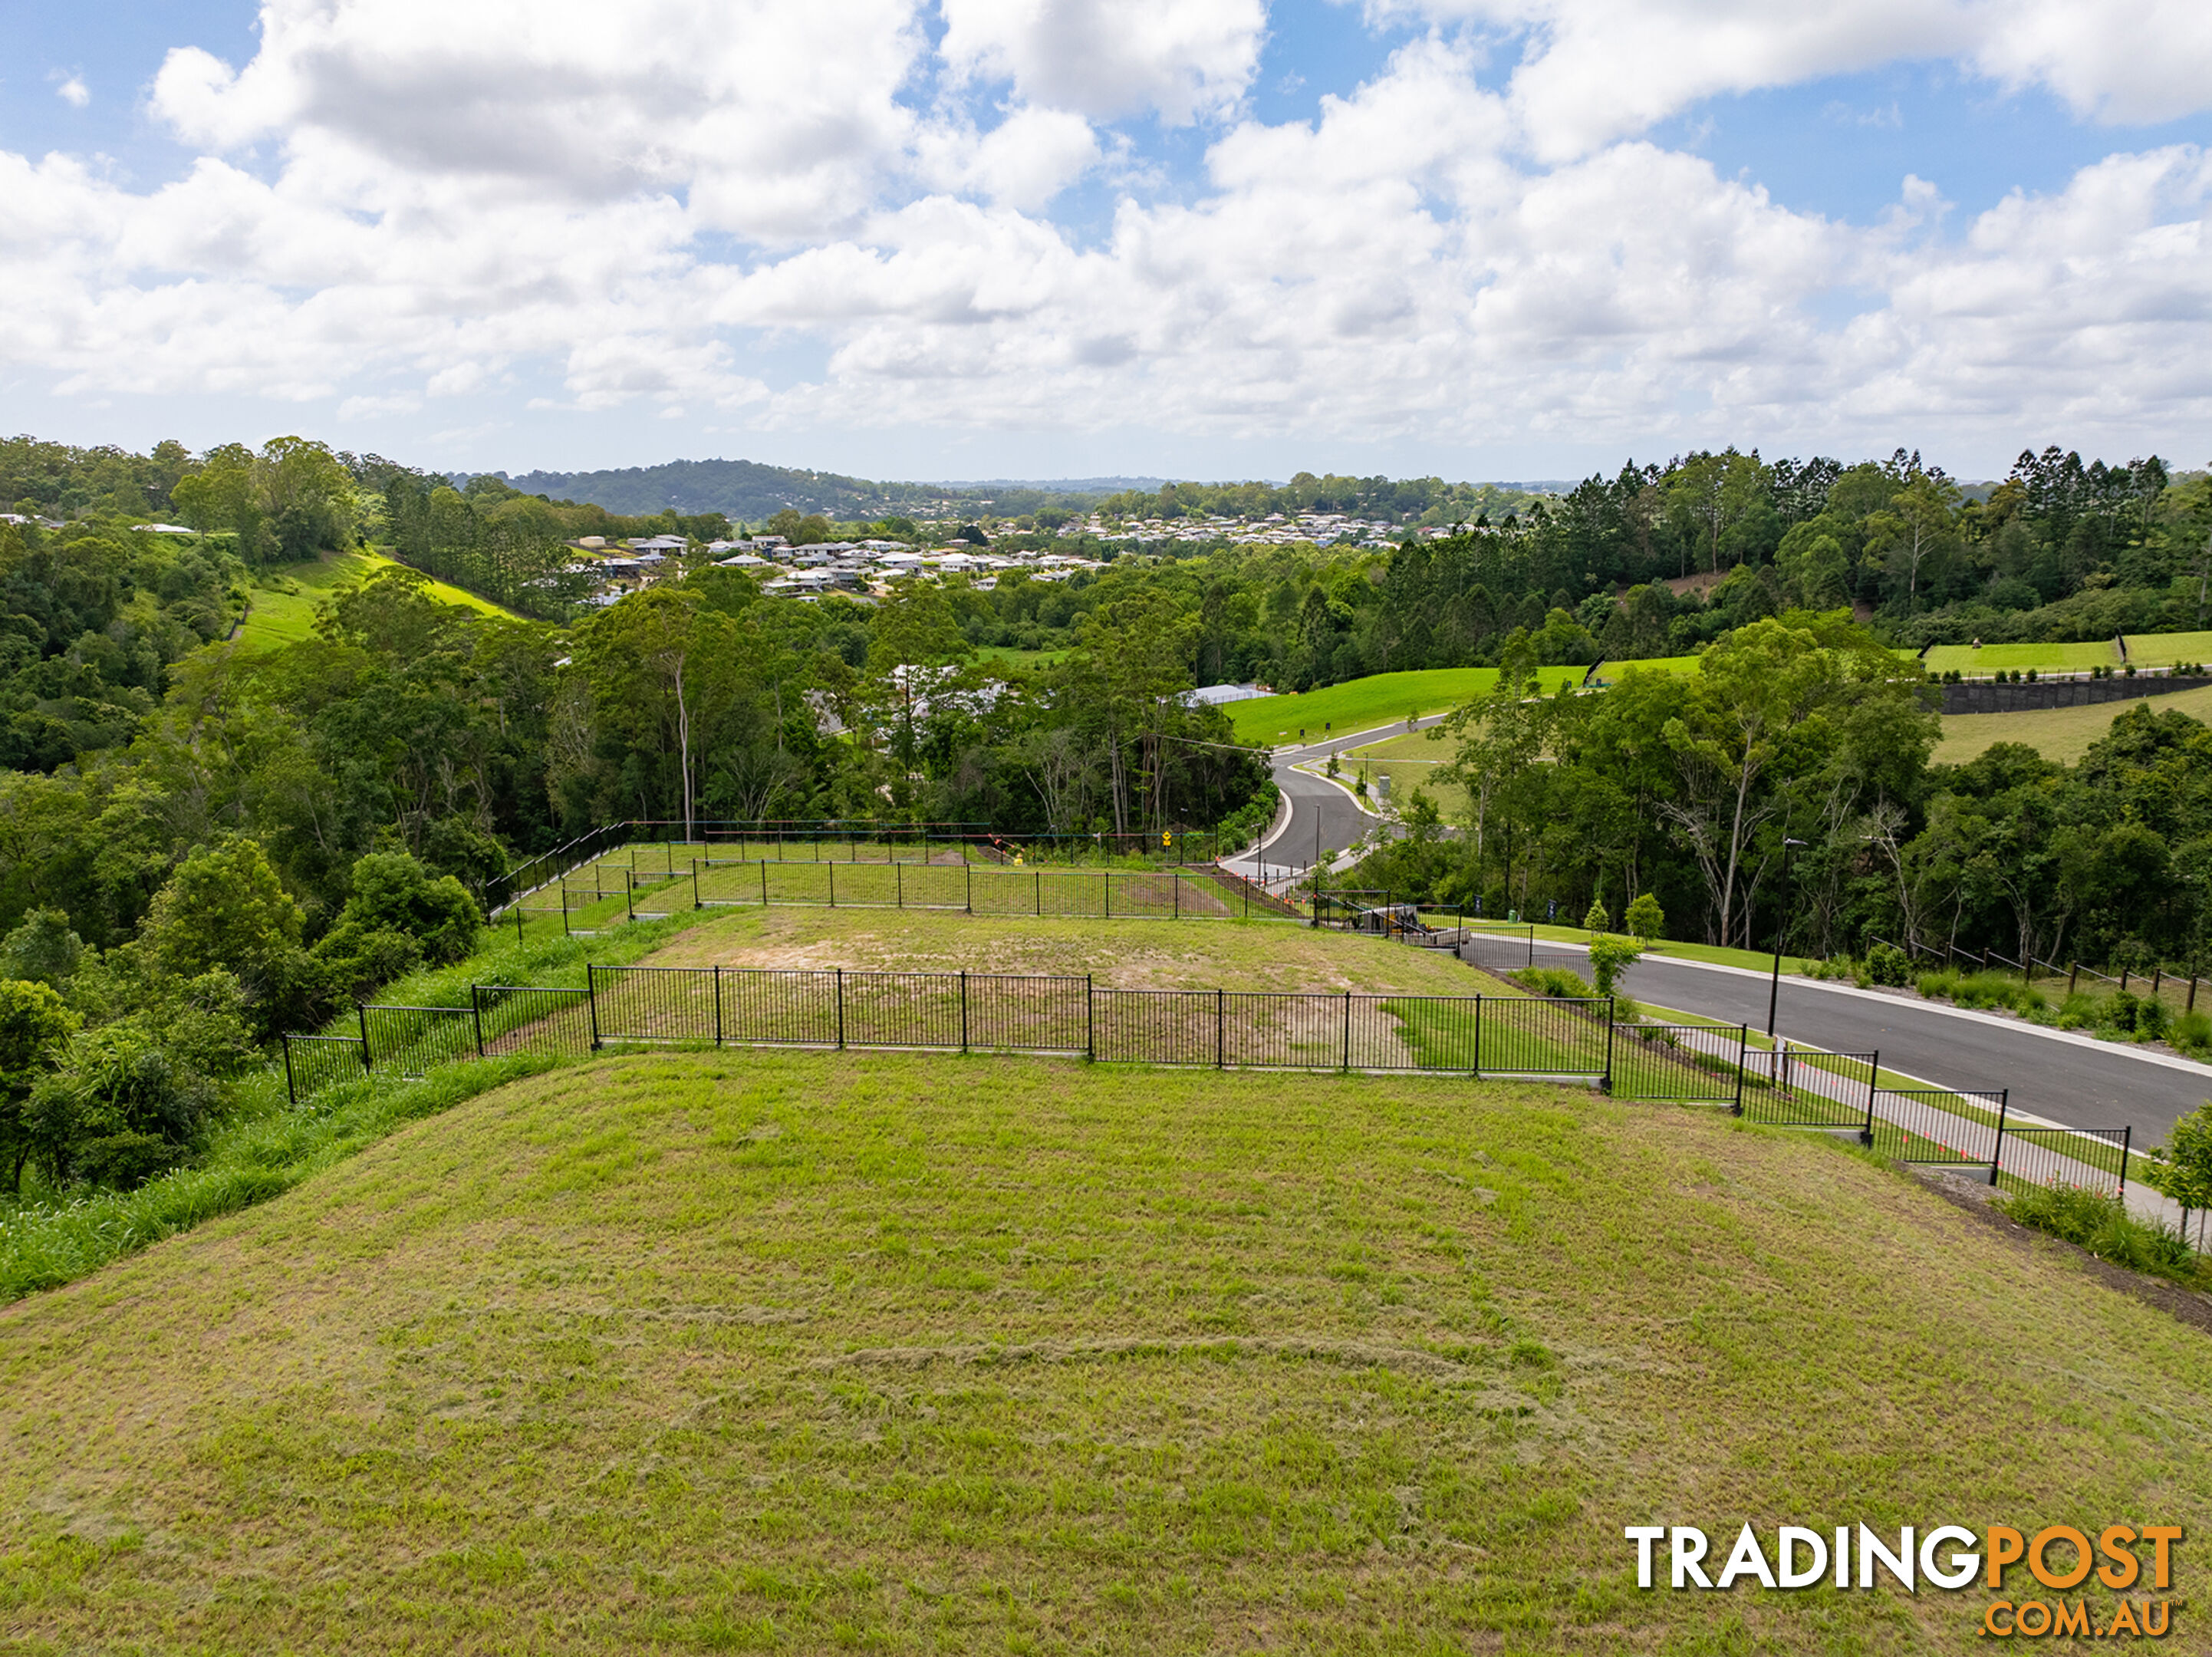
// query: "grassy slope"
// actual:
[[2144, 649], [282, 610], [1360, 704], [2062, 734], [695, 1351], [1411, 762]]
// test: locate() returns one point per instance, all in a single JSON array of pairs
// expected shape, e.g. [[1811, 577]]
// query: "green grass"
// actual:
[[1381, 699], [282, 601], [2061, 734], [1410, 762], [692, 1351], [2144, 650], [1011, 656]]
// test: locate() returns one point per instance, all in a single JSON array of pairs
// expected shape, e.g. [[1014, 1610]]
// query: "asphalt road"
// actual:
[[1323, 819], [2083, 1084]]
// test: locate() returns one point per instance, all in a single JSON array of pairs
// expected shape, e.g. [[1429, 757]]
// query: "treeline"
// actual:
[[1430, 500], [1690, 787]]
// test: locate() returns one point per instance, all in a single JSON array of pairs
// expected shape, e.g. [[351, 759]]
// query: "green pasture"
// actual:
[[1381, 699], [2144, 650], [281, 603]]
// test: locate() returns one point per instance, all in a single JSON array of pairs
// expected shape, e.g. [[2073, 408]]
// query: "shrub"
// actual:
[[1645, 920], [1887, 965], [1596, 919], [1555, 980], [1609, 958], [2102, 1225]]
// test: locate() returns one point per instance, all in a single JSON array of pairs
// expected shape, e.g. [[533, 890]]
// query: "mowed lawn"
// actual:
[[1379, 699], [2144, 650], [2060, 734], [717, 1351], [1411, 762], [282, 601]]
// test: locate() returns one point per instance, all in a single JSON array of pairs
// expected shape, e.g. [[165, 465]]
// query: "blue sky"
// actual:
[[1059, 237]]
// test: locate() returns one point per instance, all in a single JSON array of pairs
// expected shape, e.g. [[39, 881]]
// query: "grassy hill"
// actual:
[[282, 601], [700, 1352], [1379, 699], [2144, 649], [2061, 734], [695, 1351]]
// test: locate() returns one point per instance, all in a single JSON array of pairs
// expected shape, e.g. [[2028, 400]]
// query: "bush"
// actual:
[[1609, 958], [1887, 965], [1645, 920], [1554, 981], [2102, 1225]]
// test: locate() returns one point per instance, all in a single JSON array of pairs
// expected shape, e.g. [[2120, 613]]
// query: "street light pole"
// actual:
[[1781, 925]]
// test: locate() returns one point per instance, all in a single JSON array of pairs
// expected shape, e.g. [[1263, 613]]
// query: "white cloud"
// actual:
[[1182, 58], [403, 207], [73, 92]]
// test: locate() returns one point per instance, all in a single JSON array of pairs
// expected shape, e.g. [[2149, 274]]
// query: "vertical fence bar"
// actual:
[[1109, 896], [292, 1087], [968, 868], [1220, 1030], [764, 869], [833, 883], [840, 1001], [898, 882], [517, 920], [476, 1008], [1609, 1042], [963, 1011], [1348, 1030], [695, 904], [1476, 1062], [1038, 877], [1997, 1151], [1090, 1019], [2127, 1138], [591, 997], [361, 1007], [718, 1004], [1177, 876]]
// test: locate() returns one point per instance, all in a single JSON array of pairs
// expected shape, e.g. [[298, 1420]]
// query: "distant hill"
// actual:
[[745, 489]]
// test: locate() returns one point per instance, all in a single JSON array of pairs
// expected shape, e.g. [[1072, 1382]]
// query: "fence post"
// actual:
[[841, 996], [1532, 943], [1220, 1030], [1110, 895], [695, 904], [833, 883], [1177, 876], [1742, 1058], [1348, 1030], [1089, 1020], [1609, 1009], [2192, 994], [968, 868], [565, 932], [963, 1010], [292, 1088], [1038, 877], [592, 998], [517, 920], [2072, 973], [476, 1010], [1874, 1087], [764, 869], [1997, 1151], [629, 892], [1476, 1071], [2127, 1138], [718, 1004], [361, 1007], [898, 882]]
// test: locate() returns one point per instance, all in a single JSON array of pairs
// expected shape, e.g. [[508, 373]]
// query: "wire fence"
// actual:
[[1536, 1038], [974, 1012]]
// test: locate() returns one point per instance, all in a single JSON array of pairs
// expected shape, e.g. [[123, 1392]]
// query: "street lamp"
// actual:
[[1781, 923]]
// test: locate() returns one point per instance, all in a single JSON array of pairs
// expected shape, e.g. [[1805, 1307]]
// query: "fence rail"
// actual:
[[1534, 1037], [977, 1011]]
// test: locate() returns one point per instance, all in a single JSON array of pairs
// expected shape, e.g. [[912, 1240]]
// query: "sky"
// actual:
[[1483, 238]]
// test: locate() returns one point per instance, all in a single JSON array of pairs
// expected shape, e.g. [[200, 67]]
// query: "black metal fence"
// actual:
[[1687, 1063], [1803, 1088], [2093, 1159], [1938, 1127], [1464, 1035], [843, 840]]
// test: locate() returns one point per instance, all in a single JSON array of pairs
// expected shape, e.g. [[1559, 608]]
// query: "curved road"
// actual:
[[2057, 1075], [1319, 818]]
